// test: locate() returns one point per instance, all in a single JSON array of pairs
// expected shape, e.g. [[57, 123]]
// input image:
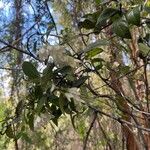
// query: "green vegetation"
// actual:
[[79, 75]]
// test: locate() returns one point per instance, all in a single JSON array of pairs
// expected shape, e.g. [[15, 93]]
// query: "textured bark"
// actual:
[[131, 142]]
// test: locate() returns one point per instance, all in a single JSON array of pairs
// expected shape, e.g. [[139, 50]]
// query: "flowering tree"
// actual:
[[108, 79]]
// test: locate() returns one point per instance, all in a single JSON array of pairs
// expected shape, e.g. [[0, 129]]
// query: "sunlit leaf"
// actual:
[[144, 49], [96, 44], [97, 62], [93, 52]]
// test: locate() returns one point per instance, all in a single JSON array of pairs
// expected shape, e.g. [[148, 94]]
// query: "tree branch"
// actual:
[[89, 130]]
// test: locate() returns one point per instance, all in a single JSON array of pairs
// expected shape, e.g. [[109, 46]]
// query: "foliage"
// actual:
[[106, 91]]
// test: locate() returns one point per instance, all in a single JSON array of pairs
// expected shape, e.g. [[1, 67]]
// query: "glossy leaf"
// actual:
[[105, 15], [80, 81], [93, 52], [90, 21], [57, 113], [40, 104], [65, 70], [133, 17], [87, 24], [30, 70], [54, 99], [96, 44], [121, 28]]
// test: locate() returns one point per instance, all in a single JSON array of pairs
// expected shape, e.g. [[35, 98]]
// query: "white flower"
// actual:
[[43, 53], [56, 54], [116, 64], [73, 93]]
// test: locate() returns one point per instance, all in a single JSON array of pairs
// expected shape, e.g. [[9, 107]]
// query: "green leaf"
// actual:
[[40, 104], [87, 24], [47, 76], [72, 105], [57, 113], [123, 70], [9, 132], [133, 17], [90, 20], [30, 70], [65, 70], [97, 62], [97, 1], [120, 28], [47, 72], [93, 52], [80, 81], [38, 92], [19, 135], [96, 44], [54, 99], [26, 137], [55, 121], [105, 15], [144, 49], [31, 121], [62, 102]]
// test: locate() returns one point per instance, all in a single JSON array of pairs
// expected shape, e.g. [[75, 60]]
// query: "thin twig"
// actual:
[[89, 130], [3, 68], [104, 134], [122, 76], [19, 50], [118, 119]]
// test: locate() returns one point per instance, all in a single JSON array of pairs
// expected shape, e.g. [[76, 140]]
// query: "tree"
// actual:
[[109, 83]]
